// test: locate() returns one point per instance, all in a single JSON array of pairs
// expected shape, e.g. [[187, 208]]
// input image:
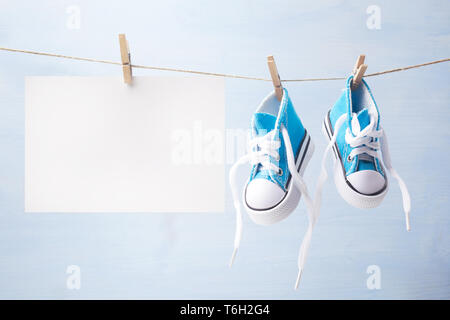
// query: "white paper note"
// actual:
[[95, 144]]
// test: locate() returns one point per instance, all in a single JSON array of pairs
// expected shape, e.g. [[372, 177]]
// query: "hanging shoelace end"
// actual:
[[299, 276], [406, 202], [232, 257], [408, 225]]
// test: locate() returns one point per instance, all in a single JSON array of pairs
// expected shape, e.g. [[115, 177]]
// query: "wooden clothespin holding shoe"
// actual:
[[275, 77], [358, 71], [125, 56]]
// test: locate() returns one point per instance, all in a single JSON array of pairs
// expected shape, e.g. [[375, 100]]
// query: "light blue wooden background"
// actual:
[[186, 255]]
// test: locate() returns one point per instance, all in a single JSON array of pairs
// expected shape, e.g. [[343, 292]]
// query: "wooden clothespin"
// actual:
[[358, 71], [125, 56], [275, 77]]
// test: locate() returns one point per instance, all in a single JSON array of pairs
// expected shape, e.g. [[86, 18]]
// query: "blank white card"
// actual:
[[95, 144]]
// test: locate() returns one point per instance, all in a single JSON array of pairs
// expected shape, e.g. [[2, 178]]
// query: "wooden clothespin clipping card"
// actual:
[[358, 71], [275, 77], [125, 56]]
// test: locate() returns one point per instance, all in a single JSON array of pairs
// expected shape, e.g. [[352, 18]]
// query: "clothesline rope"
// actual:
[[225, 75]]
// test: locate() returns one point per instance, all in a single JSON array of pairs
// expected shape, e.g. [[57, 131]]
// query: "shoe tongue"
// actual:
[[263, 123], [363, 120]]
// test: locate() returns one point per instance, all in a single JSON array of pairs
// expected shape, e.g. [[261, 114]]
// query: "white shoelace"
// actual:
[[364, 142], [263, 148]]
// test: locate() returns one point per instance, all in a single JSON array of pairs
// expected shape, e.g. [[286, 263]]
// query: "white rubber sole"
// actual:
[[351, 196], [290, 201]]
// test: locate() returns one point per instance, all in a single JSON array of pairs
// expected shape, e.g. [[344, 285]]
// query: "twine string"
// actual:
[[224, 75]]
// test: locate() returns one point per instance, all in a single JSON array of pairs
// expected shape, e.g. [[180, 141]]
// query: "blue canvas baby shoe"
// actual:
[[353, 130], [280, 149]]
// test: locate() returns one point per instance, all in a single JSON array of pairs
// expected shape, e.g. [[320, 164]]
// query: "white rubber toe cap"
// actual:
[[263, 194], [367, 181]]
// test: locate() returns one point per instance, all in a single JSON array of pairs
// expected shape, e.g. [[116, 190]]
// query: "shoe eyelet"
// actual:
[[349, 159], [280, 172]]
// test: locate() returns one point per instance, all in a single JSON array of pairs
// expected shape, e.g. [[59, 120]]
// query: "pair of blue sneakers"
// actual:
[[281, 149]]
